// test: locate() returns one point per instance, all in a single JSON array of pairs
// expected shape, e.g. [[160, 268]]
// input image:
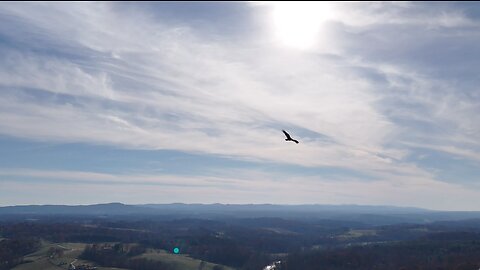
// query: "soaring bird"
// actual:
[[288, 137]]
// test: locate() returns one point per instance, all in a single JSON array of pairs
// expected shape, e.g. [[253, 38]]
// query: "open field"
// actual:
[[40, 260], [180, 261], [356, 233]]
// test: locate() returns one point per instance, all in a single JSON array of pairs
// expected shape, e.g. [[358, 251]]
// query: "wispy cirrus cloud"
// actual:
[[195, 91], [384, 79]]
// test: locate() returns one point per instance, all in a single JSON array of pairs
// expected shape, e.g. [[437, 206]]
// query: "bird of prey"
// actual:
[[288, 137]]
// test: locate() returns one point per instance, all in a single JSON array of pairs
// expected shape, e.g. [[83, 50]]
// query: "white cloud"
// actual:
[[209, 89], [99, 74]]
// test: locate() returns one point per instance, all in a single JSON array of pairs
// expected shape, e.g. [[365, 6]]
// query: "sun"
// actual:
[[296, 24]]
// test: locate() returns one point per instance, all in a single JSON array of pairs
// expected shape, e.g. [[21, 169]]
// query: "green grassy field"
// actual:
[[356, 233], [40, 260], [179, 261]]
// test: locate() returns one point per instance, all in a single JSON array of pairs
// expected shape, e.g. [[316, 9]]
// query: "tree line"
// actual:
[[13, 250]]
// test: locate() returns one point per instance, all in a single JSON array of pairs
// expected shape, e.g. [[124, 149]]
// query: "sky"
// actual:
[[185, 102]]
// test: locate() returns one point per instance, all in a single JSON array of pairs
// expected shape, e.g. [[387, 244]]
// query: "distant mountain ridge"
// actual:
[[118, 208], [95, 209], [367, 214], [300, 207]]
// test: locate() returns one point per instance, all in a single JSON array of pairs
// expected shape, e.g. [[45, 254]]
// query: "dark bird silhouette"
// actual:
[[288, 137]]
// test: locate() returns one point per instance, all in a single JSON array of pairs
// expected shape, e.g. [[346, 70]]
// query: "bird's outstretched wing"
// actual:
[[286, 134]]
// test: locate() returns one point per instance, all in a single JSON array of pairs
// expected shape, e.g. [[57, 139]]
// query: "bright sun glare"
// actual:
[[297, 23]]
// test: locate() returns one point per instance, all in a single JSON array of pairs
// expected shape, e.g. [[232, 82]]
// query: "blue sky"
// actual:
[[185, 102]]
